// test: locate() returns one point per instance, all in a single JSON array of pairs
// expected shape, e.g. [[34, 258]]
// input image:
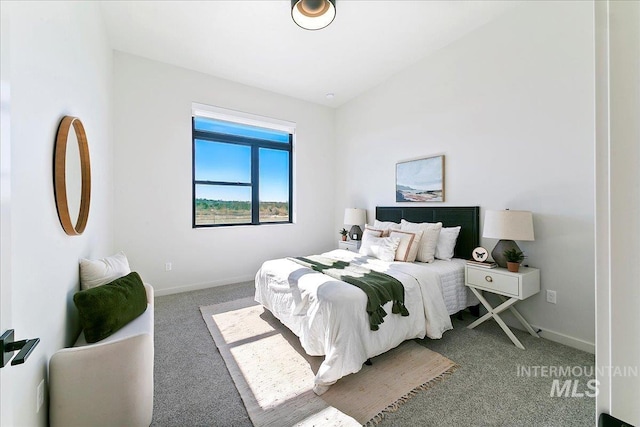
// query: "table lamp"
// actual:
[[355, 217], [507, 226]]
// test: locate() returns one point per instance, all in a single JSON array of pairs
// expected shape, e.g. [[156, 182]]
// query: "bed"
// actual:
[[329, 316]]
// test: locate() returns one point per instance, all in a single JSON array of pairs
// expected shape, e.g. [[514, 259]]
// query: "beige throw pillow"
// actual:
[[429, 241], [409, 244]]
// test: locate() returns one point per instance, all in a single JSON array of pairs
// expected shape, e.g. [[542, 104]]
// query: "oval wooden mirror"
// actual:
[[72, 175]]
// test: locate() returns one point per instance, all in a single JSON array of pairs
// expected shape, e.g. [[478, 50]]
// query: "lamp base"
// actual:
[[498, 251], [355, 233]]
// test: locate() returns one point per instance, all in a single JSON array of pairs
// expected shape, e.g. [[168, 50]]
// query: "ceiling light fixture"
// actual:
[[313, 14]]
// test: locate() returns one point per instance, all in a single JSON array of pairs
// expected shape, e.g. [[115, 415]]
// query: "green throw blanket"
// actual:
[[380, 288]]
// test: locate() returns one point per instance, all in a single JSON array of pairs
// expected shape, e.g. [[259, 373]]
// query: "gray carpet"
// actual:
[[194, 388]]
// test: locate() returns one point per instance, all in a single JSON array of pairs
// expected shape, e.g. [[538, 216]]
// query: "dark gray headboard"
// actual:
[[467, 217]]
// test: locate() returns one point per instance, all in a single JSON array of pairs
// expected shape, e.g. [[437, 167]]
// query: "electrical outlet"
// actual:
[[551, 297], [40, 396], [168, 266]]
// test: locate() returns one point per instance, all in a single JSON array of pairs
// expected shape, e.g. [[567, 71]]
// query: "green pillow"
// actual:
[[107, 308]]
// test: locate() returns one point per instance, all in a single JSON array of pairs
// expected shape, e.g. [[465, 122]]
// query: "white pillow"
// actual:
[[386, 226], [371, 232], [102, 271], [383, 248], [429, 240], [447, 242], [409, 244]]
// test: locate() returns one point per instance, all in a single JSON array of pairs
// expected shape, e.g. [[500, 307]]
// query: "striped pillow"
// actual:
[[386, 227], [427, 250], [409, 244]]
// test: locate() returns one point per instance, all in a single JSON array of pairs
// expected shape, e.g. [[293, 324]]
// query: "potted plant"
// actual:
[[514, 258], [344, 233]]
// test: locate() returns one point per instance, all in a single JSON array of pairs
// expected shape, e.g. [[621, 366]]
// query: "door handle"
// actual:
[[8, 346]]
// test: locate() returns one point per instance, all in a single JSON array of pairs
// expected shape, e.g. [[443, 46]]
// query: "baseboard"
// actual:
[[204, 285], [589, 347], [548, 334], [544, 333]]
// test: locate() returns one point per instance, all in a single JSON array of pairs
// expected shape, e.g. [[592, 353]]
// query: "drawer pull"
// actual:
[[488, 279]]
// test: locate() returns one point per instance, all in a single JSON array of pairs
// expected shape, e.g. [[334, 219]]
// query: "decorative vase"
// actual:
[[344, 238], [498, 251], [513, 266]]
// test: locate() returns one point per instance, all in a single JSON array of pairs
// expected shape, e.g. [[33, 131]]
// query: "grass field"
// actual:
[[210, 212]]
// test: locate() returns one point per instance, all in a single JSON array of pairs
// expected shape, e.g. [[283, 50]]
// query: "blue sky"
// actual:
[[274, 175], [217, 161], [228, 128], [228, 162]]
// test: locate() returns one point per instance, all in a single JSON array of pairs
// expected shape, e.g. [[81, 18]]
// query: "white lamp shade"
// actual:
[[354, 216], [508, 225]]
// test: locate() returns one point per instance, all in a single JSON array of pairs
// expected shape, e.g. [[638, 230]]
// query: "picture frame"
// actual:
[[420, 180]]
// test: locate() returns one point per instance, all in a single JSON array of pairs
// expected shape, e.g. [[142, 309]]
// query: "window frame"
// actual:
[[256, 144]]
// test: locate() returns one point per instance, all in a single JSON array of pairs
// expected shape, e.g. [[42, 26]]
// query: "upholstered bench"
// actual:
[[106, 383]]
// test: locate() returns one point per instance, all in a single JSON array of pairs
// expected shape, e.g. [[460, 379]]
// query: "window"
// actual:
[[242, 169]]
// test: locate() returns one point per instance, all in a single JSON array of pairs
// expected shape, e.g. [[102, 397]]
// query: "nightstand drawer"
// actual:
[[349, 245], [488, 280]]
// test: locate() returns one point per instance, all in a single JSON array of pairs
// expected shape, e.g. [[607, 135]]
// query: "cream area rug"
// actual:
[[275, 376]]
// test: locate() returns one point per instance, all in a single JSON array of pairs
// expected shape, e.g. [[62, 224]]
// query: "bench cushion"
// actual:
[[105, 309]]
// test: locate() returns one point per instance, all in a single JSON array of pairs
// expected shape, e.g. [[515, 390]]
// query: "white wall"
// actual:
[[153, 176], [618, 207], [511, 106], [6, 402], [60, 64]]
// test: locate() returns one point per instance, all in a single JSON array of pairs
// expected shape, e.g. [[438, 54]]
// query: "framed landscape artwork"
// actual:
[[420, 180]]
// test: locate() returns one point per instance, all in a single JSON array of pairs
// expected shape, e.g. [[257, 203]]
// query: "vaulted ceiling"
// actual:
[[257, 43]]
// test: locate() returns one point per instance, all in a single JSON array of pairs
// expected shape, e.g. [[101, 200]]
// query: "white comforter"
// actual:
[[330, 318]]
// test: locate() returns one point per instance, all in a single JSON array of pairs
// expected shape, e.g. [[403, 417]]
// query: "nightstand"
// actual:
[[349, 245], [500, 281]]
